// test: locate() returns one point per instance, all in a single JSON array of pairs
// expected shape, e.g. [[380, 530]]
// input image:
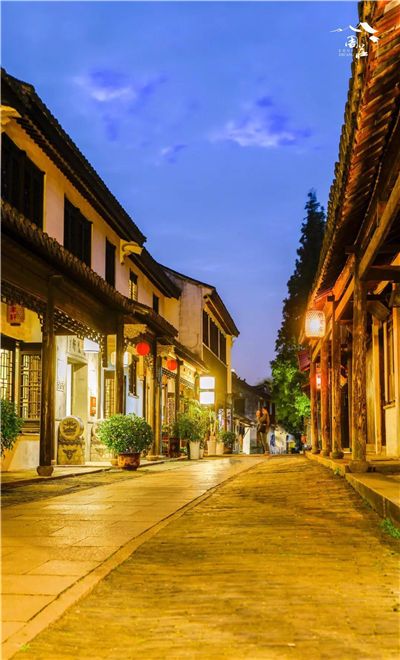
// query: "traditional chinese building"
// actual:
[[89, 319], [208, 330], [353, 317]]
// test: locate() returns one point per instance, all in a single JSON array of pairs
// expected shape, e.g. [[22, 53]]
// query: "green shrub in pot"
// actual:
[[228, 438], [126, 433], [11, 425]]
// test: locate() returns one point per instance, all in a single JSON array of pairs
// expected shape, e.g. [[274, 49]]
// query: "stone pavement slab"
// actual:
[[63, 540], [283, 562], [380, 490]]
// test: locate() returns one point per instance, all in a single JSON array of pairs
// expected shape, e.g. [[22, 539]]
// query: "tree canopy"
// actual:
[[291, 402]]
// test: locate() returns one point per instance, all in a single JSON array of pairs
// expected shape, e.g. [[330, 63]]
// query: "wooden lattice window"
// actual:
[[206, 334], [110, 263], [31, 381], [133, 286], [109, 394], [6, 374], [77, 233], [21, 182]]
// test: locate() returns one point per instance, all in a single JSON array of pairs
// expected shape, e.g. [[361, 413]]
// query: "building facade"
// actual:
[[92, 325], [353, 314]]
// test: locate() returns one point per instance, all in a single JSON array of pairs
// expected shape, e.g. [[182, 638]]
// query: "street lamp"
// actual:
[[315, 324]]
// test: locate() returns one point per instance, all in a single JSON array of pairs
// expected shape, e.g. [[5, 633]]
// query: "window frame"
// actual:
[[110, 266], [22, 184], [77, 233]]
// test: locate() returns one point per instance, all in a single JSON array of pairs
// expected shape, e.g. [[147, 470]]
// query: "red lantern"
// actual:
[[172, 365], [143, 348]]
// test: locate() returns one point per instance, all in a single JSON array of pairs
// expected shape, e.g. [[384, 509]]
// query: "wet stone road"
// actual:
[[283, 561]]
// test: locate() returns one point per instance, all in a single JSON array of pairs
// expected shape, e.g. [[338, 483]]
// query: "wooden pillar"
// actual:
[[376, 324], [156, 391], [314, 409], [335, 388], [359, 385], [47, 407], [350, 389], [325, 426], [119, 368], [177, 389]]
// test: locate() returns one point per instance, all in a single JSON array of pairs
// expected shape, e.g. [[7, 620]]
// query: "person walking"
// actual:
[[263, 428]]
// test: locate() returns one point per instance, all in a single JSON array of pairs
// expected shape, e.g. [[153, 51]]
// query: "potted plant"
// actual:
[[11, 425], [229, 439], [191, 426], [128, 436]]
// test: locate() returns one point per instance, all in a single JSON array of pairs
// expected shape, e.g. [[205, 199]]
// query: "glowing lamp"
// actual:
[[207, 382], [207, 398], [90, 346], [15, 314], [318, 381], [315, 324], [143, 348], [172, 365]]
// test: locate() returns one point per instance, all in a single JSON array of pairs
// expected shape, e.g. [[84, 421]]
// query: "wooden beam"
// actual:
[[377, 384], [325, 426], [359, 385], [336, 426], [48, 388], [383, 274], [382, 230], [119, 368], [314, 409], [345, 299]]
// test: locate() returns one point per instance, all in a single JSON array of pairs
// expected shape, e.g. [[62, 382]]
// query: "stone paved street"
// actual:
[[284, 561], [59, 539]]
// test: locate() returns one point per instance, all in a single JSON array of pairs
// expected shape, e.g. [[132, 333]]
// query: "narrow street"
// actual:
[[282, 561]]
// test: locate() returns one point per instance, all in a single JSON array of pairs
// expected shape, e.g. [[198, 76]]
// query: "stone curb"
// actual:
[[371, 486], [79, 473]]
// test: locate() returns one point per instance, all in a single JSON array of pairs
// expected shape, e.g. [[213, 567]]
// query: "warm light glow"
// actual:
[[127, 358], [207, 382], [315, 324], [143, 348], [90, 346], [207, 398], [318, 381]]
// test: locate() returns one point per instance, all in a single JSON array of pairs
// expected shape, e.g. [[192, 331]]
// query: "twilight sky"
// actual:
[[209, 121]]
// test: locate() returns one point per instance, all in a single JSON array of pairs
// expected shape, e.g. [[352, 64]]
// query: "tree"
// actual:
[[291, 402]]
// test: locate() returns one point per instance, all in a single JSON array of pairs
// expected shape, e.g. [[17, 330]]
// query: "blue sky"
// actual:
[[209, 121]]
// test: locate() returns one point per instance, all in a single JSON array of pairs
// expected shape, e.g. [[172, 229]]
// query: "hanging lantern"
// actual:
[[315, 324], [143, 348], [172, 365], [15, 314]]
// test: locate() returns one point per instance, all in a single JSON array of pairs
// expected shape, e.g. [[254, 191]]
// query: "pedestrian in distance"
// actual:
[[263, 428]]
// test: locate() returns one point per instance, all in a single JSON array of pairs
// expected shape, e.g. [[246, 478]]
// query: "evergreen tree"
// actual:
[[291, 402]]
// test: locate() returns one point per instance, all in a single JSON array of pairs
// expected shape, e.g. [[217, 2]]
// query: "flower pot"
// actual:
[[129, 460], [220, 448], [194, 450], [227, 450], [211, 447], [201, 452]]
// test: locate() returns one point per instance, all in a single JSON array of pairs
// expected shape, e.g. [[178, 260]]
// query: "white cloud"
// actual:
[[261, 126]]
